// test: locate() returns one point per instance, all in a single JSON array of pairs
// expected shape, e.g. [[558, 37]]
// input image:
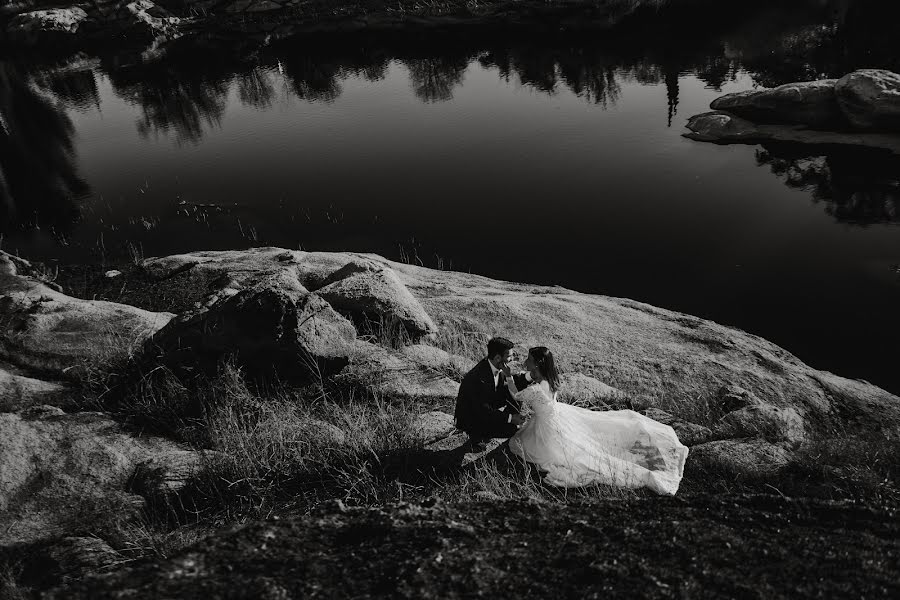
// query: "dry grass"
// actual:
[[10, 586]]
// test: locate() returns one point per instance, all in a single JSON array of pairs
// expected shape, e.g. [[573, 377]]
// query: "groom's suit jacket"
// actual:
[[479, 403]]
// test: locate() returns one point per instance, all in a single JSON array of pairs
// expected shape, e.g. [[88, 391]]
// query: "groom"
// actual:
[[485, 407]]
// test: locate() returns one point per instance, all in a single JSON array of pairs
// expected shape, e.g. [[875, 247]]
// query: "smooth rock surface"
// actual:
[[870, 99], [812, 103], [44, 329]]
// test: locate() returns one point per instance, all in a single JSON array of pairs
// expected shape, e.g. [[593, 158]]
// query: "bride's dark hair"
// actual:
[[543, 358]]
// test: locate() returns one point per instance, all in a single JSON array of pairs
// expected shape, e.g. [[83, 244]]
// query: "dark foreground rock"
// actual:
[[741, 546]]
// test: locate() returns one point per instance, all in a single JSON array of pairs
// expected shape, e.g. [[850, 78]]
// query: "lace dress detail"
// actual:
[[578, 447]]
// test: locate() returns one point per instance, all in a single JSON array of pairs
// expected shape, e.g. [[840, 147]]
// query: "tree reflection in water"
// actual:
[[858, 186], [433, 78], [39, 182], [186, 93]]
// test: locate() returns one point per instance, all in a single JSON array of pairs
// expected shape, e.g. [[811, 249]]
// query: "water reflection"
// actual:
[[39, 181], [186, 93], [858, 186]]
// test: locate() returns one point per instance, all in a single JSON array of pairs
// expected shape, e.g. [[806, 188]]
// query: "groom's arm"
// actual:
[[479, 407]]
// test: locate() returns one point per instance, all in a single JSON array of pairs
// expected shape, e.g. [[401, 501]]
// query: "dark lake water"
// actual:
[[552, 158]]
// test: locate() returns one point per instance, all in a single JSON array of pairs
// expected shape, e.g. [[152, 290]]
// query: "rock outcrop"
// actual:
[[860, 109], [269, 322], [372, 293], [390, 374], [641, 351], [69, 473], [44, 329], [870, 99], [812, 103], [725, 128]]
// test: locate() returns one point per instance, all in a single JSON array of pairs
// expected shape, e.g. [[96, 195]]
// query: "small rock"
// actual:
[[763, 420], [433, 426], [112, 273], [749, 458], [689, 434], [732, 397], [582, 390]]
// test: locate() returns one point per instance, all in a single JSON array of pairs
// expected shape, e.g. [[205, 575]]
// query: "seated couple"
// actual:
[[575, 446]]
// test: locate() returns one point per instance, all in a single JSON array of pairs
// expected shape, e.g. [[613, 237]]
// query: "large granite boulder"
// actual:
[[810, 103], [44, 329], [870, 99], [372, 293], [689, 434], [69, 473], [273, 322]]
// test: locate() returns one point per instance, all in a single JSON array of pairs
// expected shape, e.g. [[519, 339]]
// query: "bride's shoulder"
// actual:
[[540, 390]]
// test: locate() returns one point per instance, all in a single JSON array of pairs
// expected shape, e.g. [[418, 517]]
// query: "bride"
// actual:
[[577, 446]]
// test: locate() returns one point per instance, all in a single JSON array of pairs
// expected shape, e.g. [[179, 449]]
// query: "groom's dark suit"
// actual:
[[479, 403]]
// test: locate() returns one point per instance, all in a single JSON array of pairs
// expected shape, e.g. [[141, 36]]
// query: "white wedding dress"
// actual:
[[578, 447]]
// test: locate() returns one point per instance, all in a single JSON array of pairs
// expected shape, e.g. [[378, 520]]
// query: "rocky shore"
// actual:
[[861, 108], [47, 23], [376, 332]]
